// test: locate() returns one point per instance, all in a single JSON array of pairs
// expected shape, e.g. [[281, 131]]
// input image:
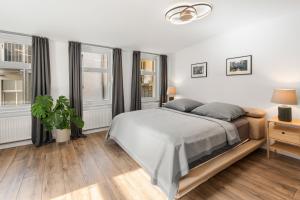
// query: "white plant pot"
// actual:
[[63, 135]]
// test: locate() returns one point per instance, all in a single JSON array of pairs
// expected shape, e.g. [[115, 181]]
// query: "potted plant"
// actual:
[[58, 116]]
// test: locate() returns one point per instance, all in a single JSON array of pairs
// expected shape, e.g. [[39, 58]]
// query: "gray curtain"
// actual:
[[164, 79], [75, 84], [136, 103], [117, 93], [40, 85]]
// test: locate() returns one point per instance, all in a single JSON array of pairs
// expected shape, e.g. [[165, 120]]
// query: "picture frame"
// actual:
[[199, 70], [239, 66]]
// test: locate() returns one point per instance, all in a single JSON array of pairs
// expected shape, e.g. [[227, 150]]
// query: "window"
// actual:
[[96, 67], [149, 77], [15, 71]]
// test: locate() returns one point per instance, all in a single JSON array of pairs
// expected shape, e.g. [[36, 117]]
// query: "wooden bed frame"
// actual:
[[205, 171]]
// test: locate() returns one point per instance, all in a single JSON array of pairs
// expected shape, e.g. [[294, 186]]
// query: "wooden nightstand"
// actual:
[[286, 136]]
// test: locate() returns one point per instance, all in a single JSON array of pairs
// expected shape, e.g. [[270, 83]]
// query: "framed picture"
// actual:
[[199, 70], [239, 66]]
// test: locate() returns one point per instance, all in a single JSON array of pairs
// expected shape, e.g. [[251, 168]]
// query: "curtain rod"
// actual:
[[108, 47], [15, 33], [95, 45], [151, 53]]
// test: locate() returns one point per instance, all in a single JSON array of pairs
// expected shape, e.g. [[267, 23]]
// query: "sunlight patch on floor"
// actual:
[[91, 192], [136, 180], [129, 185]]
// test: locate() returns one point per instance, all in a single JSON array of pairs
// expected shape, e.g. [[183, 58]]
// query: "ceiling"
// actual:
[[132, 24]]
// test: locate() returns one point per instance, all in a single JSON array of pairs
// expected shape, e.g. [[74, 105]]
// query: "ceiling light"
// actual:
[[184, 12]]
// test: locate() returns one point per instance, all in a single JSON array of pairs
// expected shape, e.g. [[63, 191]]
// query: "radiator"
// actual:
[[95, 118], [14, 129], [150, 105]]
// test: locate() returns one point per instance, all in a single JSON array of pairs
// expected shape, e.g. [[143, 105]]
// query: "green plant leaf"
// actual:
[[77, 121], [59, 116]]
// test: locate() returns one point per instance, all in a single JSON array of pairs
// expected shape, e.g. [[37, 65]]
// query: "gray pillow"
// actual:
[[184, 105], [223, 111]]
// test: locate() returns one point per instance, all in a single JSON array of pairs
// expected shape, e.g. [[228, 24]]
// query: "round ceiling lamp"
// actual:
[[184, 13]]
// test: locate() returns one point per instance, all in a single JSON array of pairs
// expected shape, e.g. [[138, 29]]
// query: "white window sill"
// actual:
[[149, 100], [95, 106]]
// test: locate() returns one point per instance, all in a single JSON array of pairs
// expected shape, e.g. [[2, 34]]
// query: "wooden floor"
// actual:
[[90, 169]]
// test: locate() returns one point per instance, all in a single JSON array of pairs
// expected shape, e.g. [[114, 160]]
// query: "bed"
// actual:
[[181, 150]]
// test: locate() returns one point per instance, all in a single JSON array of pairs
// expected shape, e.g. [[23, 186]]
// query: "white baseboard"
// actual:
[[96, 130], [15, 144]]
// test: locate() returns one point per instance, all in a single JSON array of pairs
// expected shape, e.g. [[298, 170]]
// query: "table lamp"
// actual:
[[171, 92], [284, 97]]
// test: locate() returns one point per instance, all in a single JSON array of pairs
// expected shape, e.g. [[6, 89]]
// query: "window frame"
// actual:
[[101, 50], [22, 109], [156, 59]]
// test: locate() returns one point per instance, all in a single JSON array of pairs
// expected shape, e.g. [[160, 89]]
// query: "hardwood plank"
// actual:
[[231, 190], [194, 195], [186, 198], [75, 184], [280, 187], [69, 156], [101, 191], [32, 184], [6, 158], [210, 193], [89, 168], [232, 184], [53, 162], [281, 161], [74, 181], [297, 195], [36, 162], [270, 173], [11, 182], [30, 189], [265, 192], [54, 186]]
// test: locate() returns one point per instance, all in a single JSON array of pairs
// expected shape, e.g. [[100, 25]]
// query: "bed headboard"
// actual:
[[257, 122]]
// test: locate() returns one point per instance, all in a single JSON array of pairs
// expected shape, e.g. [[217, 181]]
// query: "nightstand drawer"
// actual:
[[289, 135]]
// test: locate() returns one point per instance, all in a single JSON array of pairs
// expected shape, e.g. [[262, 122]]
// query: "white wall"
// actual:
[[59, 62], [127, 73], [275, 46]]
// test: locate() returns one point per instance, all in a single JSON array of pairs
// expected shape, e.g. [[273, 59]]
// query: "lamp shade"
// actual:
[[171, 91], [284, 96]]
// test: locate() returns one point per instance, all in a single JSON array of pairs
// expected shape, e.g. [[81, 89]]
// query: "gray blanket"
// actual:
[[165, 141]]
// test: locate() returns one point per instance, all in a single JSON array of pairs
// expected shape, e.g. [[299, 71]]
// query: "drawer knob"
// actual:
[[282, 132]]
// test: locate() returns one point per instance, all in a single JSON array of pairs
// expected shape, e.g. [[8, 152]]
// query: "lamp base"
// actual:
[[285, 114], [171, 98]]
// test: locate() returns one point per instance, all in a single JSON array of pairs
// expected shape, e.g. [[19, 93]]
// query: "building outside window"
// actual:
[[149, 77], [15, 72], [97, 75]]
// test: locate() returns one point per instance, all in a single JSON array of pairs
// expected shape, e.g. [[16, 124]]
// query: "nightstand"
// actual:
[[286, 136]]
